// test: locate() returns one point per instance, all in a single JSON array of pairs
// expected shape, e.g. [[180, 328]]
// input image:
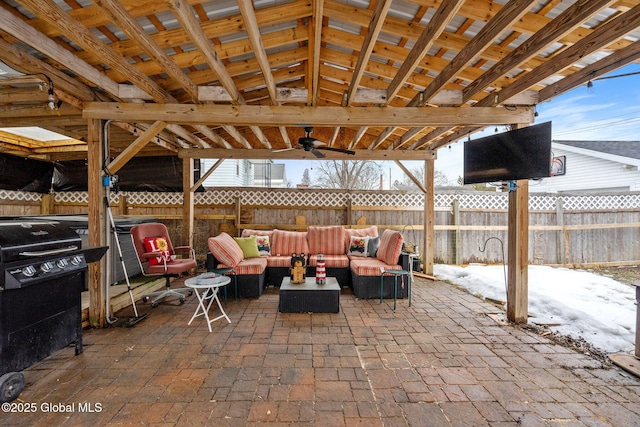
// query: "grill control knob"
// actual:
[[62, 262], [76, 260], [29, 271], [46, 266]]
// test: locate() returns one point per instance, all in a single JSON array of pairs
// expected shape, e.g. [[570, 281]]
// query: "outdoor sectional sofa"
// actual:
[[346, 257]]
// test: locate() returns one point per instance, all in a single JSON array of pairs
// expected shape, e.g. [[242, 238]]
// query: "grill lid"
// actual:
[[17, 236]]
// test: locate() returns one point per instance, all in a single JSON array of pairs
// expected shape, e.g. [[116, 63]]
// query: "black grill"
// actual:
[[42, 266], [37, 251]]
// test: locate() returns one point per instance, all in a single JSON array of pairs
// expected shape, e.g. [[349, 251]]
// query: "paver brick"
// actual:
[[441, 362]]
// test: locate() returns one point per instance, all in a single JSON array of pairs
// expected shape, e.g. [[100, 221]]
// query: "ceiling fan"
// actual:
[[307, 143]]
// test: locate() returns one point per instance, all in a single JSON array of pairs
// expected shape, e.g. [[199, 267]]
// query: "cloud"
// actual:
[[587, 117]]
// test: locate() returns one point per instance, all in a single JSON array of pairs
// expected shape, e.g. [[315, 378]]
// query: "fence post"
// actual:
[[301, 223], [456, 232], [46, 204], [122, 204], [238, 219], [560, 238]]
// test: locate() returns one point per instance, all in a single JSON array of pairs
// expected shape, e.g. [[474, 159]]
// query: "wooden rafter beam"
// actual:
[[564, 24], [509, 13], [602, 36], [299, 154], [245, 115], [505, 16], [373, 30], [315, 38], [135, 147], [443, 15], [48, 47], [134, 31], [616, 60], [36, 110], [77, 32], [190, 24], [411, 176], [206, 175], [253, 30]]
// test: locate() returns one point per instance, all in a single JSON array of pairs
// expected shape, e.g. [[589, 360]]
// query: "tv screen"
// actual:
[[518, 154]]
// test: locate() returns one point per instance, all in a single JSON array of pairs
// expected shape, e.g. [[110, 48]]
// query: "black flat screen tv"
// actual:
[[518, 154]]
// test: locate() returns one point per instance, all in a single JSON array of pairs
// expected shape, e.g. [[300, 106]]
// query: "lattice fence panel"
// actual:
[[493, 201], [72, 197], [20, 196], [611, 201], [309, 198], [476, 200], [388, 199], [149, 198]]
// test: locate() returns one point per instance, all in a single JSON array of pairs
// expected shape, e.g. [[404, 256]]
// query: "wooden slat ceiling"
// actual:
[[195, 78]]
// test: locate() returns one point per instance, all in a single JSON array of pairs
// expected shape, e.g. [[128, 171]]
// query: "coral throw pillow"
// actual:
[[390, 247], [225, 249], [158, 244]]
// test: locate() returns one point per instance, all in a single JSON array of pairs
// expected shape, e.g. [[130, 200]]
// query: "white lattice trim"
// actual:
[[330, 198], [20, 195]]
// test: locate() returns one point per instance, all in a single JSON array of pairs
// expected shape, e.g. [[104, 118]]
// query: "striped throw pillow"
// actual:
[[328, 240], [225, 249], [390, 247]]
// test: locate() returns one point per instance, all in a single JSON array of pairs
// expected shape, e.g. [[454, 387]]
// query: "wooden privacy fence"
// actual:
[[567, 229]]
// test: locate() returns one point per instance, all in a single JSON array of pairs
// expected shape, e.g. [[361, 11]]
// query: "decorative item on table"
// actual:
[[298, 268], [321, 271], [208, 279]]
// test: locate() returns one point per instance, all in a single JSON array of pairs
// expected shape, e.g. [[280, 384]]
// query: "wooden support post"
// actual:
[[97, 224], [348, 219], [455, 205], [187, 203], [429, 212], [518, 253]]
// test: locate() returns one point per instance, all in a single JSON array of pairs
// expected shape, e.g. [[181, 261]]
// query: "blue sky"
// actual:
[[610, 110]]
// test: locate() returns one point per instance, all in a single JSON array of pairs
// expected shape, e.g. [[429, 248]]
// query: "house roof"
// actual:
[[630, 149], [391, 79]]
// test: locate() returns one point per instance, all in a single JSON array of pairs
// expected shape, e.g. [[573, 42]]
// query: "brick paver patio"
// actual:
[[441, 362]]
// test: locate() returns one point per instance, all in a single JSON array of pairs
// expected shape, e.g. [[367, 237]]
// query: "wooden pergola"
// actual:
[[389, 79]]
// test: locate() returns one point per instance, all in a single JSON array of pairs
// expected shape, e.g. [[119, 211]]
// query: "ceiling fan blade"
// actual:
[[339, 150], [317, 153]]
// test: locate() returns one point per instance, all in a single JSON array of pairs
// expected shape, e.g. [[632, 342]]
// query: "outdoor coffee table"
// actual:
[[309, 296]]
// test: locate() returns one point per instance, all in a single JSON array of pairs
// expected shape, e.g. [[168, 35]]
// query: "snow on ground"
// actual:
[[599, 309]]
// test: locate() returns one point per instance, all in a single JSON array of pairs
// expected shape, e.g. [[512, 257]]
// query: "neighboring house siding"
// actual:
[[231, 173], [586, 172], [269, 174]]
